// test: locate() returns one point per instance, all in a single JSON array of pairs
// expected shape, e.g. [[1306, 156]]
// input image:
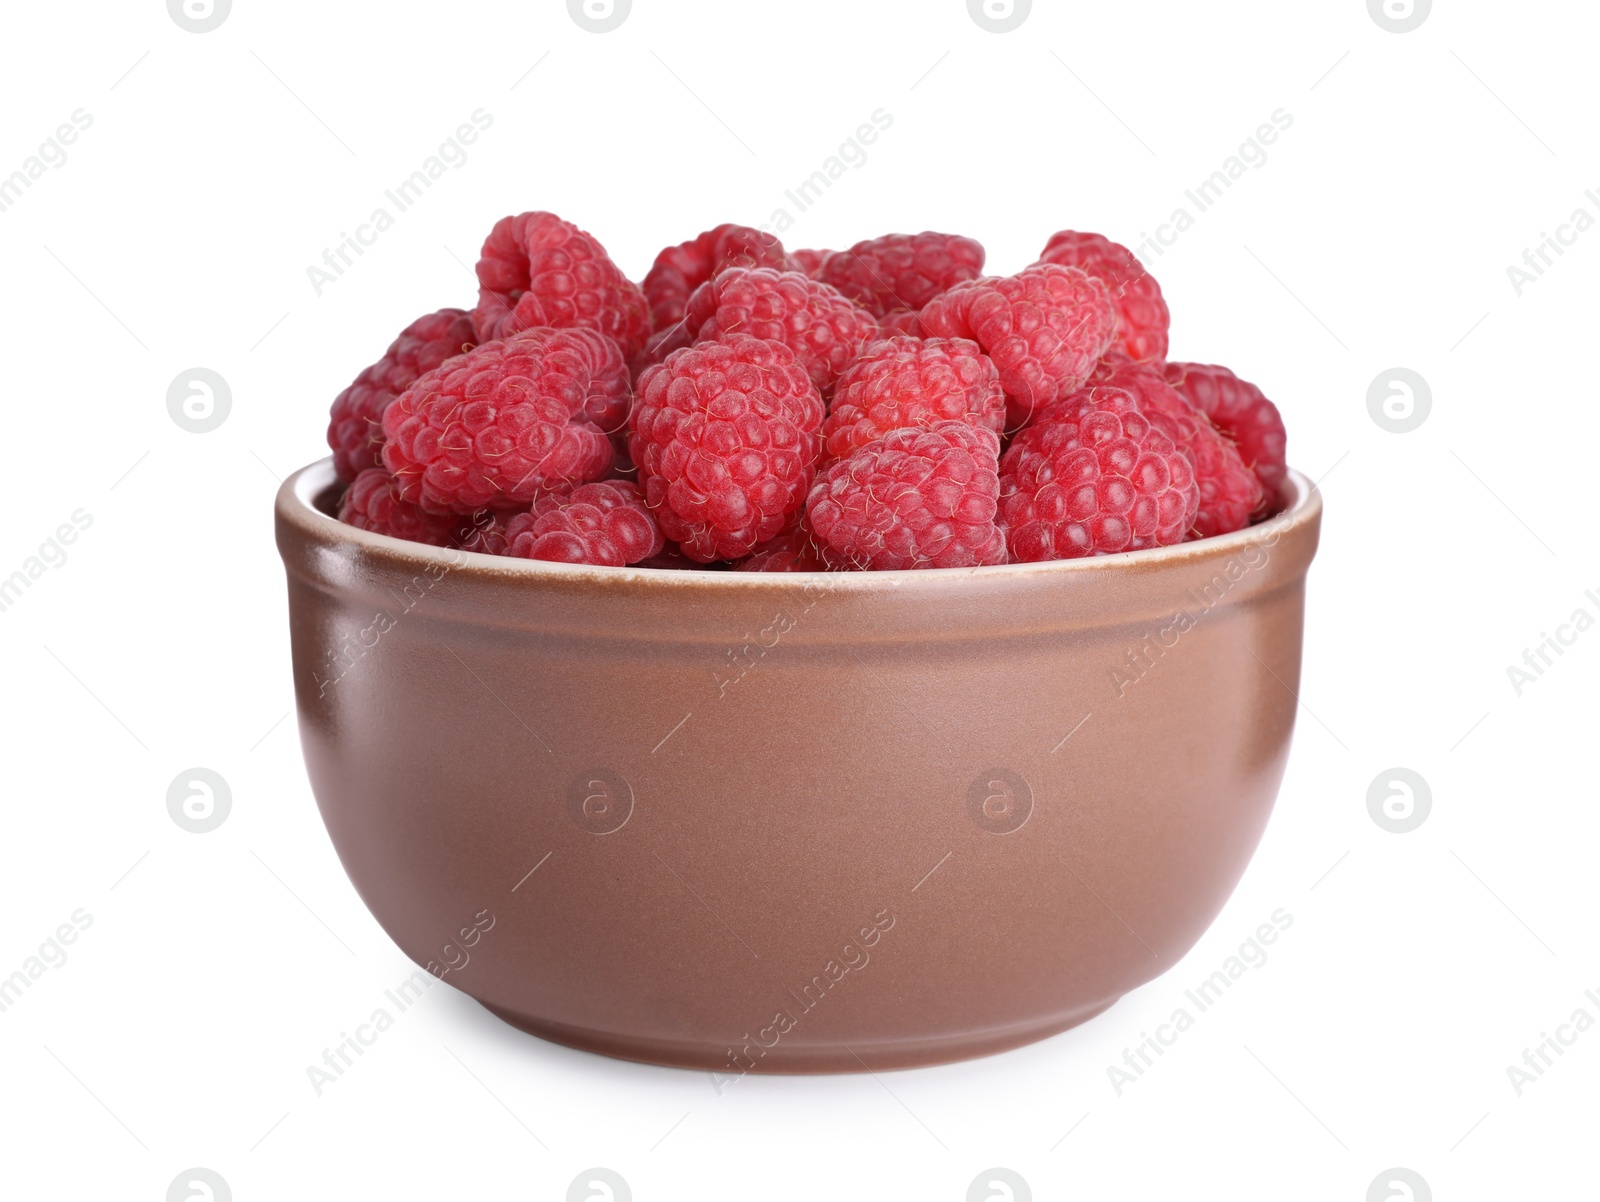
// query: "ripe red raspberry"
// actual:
[[915, 498], [498, 425], [355, 427], [1230, 493], [822, 328], [538, 270], [810, 261], [1240, 410], [1045, 328], [791, 551], [373, 502], [1093, 476], [904, 382], [1142, 317], [679, 270], [605, 523], [726, 435], [902, 271]]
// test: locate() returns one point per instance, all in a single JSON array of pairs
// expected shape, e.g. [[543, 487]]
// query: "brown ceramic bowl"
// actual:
[[794, 823]]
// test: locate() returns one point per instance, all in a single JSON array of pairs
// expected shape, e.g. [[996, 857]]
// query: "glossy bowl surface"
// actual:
[[794, 823]]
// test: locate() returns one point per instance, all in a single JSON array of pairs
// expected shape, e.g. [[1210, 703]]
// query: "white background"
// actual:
[[1378, 233]]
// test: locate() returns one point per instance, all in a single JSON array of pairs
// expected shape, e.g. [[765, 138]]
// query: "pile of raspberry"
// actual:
[[746, 407]]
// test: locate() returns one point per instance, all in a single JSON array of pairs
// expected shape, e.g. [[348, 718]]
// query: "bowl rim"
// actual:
[[295, 505]]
